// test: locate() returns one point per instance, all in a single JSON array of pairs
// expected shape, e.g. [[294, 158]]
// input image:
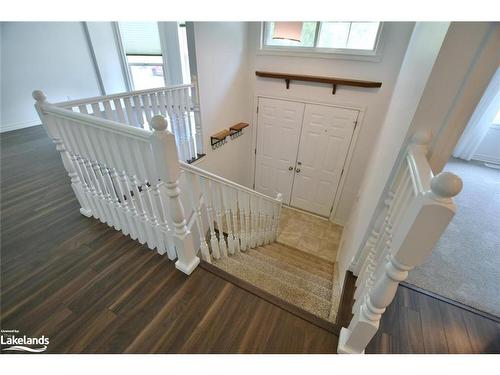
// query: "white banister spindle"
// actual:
[[276, 215], [195, 194], [196, 115], [166, 158], [119, 110], [422, 210], [138, 111], [129, 110], [226, 200], [207, 198], [233, 199], [215, 188]]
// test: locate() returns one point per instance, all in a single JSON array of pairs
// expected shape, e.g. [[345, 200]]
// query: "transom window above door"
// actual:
[[327, 38]]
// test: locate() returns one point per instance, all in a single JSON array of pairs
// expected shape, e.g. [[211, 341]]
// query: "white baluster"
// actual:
[[215, 188], [276, 216], [195, 194], [138, 111], [208, 198], [233, 199], [119, 110], [197, 119], [226, 201], [147, 107], [130, 112], [108, 111]]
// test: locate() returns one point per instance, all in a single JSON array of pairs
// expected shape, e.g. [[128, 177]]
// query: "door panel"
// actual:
[[279, 125], [324, 142]]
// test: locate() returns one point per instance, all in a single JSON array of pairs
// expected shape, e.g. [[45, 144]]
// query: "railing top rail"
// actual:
[[211, 176], [421, 172], [77, 102], [96, 122], [420, 169]]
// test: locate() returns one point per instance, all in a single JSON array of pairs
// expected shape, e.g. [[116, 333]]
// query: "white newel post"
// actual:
[[70, 167], [168, 169], [421, 227]]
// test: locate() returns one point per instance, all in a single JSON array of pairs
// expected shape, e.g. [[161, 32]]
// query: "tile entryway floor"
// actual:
[[309, 233]]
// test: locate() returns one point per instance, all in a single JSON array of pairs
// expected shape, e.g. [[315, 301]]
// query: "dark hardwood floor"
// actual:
[[92, 290]]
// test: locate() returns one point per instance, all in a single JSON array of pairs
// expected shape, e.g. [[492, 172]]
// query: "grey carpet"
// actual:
[[465, 264]]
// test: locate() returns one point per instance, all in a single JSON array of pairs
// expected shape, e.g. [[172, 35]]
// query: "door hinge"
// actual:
[[355, 124], [257, 109], [341, 173], [255, 151]]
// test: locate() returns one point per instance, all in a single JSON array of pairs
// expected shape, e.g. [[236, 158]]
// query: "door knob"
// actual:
[[297, 170], [290, 168]]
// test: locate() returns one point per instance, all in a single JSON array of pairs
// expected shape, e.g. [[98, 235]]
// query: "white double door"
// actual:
[[301, 152]]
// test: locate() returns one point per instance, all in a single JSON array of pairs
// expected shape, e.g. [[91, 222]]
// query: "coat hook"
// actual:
[[334, 89], [287, 80]]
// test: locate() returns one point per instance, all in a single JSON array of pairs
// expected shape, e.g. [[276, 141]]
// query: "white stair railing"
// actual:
[[417, 210], [178, 104], [249, 218], [124, 176], [131, 179]]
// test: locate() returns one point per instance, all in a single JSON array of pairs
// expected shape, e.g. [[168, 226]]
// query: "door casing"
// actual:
[[352, 146]]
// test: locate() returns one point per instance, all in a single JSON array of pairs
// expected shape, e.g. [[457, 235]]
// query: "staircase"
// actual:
[[292, 277]]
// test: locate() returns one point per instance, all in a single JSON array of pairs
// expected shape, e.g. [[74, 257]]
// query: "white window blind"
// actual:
[[140, 38]]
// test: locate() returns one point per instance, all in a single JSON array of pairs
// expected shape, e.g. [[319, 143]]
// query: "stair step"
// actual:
[[288, 267], [277, 270], [299, 259], [237, 266]]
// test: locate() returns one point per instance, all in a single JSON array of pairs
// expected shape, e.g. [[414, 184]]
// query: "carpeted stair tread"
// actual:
[[325, 282], [278, 271], [282, 253], [308, 301]]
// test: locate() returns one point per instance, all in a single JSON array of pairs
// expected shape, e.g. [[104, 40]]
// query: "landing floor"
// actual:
[[309, 233]]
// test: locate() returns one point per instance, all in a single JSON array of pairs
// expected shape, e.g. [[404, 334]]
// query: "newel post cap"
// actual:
[[39, 96], [446, 185], [159, 123]]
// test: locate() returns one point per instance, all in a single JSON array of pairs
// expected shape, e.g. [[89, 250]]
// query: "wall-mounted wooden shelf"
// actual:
[[218, 139], [237, 130], [330, 80]]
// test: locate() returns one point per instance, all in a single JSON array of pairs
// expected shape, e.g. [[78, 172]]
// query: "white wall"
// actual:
[[225, 96], [107, 55], [373, 102], [50, 56]]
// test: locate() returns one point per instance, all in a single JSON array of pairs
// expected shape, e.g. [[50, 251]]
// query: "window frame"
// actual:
[[129, 80], [318, 52]]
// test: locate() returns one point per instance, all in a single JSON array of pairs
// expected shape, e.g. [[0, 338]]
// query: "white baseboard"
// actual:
[[486, 158], [17, 125]]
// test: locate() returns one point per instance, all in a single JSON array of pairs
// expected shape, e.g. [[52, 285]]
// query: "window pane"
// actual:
[[306, 38], [363, 35], [333, 34], [140, 38], [147, 71]]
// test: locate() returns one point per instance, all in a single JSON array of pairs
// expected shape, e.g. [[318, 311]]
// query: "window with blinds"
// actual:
[[142, 47]]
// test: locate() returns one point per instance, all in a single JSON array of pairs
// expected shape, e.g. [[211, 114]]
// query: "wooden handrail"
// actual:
[[307, 78]]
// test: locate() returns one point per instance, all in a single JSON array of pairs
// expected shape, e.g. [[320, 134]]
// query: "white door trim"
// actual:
[[352, 146]]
